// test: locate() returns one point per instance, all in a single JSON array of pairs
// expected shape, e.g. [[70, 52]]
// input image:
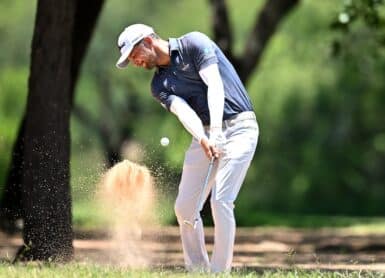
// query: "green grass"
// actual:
[[37, 270]]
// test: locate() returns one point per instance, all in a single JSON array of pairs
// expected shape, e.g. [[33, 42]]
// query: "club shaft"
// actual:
[[201, 199]]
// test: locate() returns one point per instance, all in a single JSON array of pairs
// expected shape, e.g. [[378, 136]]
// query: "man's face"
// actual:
[[143, 55]]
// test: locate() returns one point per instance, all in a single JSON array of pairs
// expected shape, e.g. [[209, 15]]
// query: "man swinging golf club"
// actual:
[[194, 80]]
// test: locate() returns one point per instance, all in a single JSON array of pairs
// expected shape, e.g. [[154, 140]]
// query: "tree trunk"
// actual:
[[46, 194], [11, 208]]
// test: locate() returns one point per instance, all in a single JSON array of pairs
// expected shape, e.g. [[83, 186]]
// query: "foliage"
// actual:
[[318, 124], [359, 20], [368, 11]]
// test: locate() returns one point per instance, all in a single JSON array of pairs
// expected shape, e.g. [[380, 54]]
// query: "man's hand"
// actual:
[[209, 148], [217, 138]]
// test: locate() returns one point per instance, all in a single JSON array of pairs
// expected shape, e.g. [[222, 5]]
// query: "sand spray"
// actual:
[[127, 197]]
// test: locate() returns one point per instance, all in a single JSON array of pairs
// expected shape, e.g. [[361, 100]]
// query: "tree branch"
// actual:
[[221, 27], [265, 26], [86, 16]]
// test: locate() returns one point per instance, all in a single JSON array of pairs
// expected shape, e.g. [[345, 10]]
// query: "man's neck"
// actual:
[[163, 53]]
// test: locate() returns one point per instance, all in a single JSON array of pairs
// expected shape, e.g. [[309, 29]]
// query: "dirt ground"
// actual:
[[256, 248]]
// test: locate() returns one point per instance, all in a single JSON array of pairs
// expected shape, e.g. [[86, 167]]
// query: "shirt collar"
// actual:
[[173, 44]]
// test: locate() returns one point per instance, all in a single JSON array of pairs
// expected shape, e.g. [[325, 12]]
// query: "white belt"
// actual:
[[243, 116]]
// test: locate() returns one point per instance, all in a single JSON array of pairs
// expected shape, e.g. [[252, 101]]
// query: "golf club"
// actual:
[[202, 194]]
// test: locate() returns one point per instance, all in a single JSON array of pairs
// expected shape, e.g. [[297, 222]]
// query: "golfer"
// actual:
[[195, 81]]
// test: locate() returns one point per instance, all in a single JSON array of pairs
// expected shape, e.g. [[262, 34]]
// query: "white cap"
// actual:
[[128, 38]]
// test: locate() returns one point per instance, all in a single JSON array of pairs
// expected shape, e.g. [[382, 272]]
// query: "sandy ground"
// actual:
[[255, 248]]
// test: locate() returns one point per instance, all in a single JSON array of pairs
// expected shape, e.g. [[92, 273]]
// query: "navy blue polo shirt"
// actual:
[[188, 55]]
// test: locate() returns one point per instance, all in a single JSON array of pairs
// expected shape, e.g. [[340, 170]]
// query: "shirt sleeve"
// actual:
[[201, 49], [215, 96]]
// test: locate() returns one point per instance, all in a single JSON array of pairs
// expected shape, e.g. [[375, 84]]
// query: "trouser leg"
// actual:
[[232, 169], [193, 176]]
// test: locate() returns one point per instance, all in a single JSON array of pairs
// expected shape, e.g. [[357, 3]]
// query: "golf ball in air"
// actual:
[[164, 141]]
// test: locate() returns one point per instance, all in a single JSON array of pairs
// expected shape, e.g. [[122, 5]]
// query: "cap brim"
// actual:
[[123, 61]]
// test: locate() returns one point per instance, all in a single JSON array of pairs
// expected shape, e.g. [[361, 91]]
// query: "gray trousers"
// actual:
[[241, 133]]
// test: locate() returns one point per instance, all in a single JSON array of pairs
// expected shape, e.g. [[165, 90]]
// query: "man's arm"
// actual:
[[192, 123], [187, 117], [215, 99]]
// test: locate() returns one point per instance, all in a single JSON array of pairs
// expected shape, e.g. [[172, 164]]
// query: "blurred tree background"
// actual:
[[318, 92]]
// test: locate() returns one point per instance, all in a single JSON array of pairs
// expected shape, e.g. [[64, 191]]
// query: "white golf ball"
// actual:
[[164, 141]]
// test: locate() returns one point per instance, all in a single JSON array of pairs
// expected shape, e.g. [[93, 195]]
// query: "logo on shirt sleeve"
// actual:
[[208, 50]]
